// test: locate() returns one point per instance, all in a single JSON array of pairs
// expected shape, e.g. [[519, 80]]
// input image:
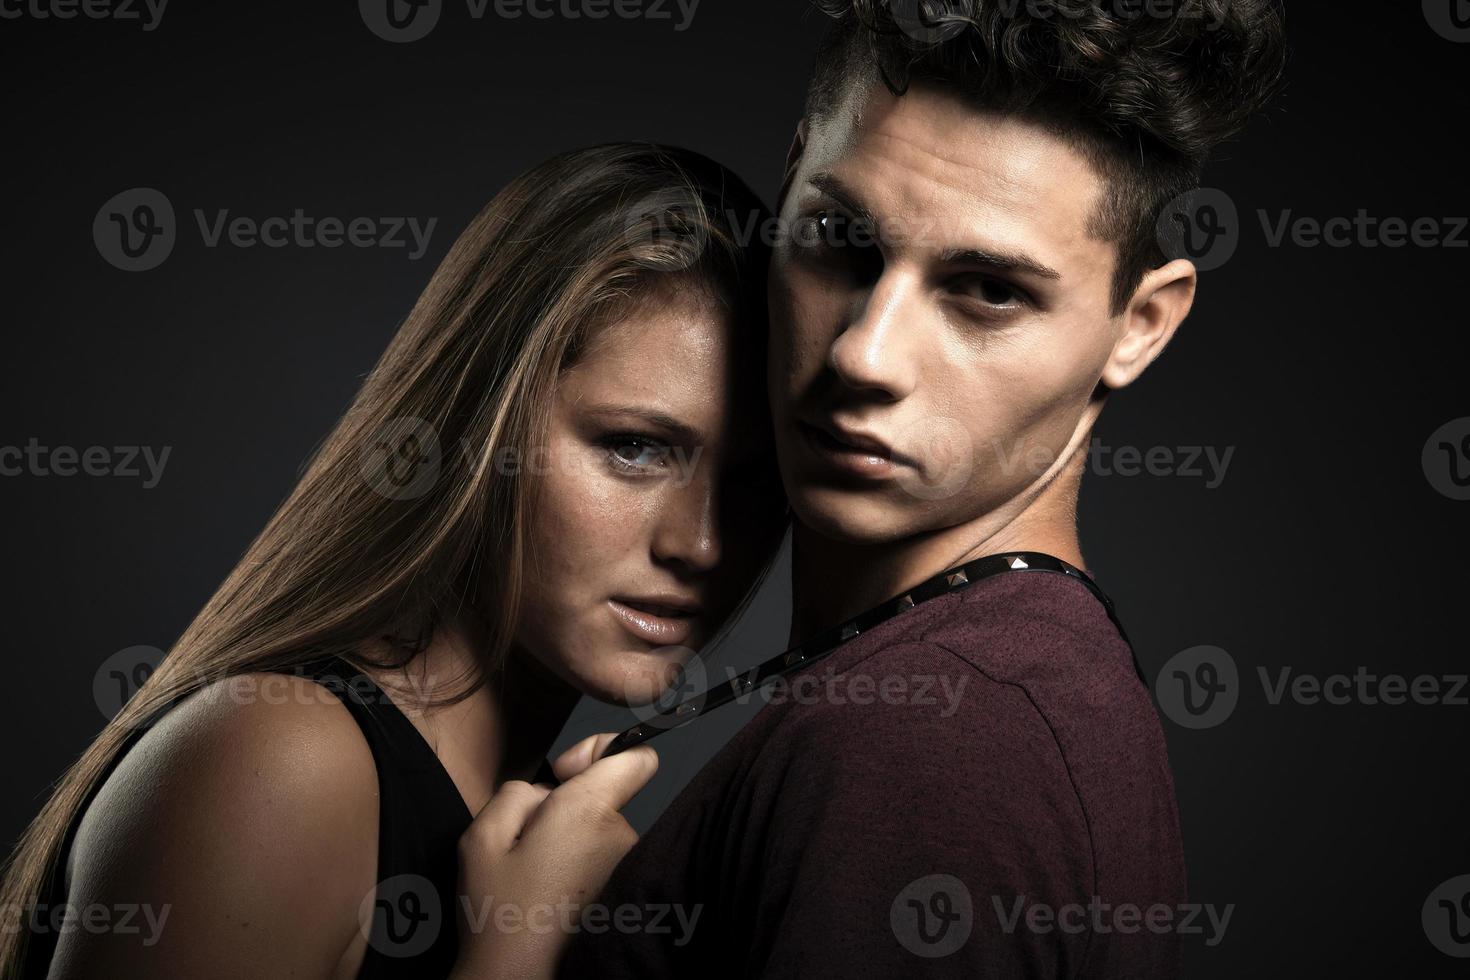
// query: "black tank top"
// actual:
[[421, 816]]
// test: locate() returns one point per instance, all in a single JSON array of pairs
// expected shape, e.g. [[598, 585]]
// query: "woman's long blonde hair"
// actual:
[[402, 515]]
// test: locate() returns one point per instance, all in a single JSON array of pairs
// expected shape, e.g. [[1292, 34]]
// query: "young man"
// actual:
[[980, 786]]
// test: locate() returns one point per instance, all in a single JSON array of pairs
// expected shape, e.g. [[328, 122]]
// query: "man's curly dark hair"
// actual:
[[1145, 89]]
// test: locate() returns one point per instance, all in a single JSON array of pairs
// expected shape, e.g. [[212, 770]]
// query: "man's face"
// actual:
[[939, 315]]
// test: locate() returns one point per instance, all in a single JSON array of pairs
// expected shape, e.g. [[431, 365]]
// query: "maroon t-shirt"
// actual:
[[977, 787]]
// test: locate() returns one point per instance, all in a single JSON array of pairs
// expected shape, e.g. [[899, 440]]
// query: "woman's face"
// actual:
[[656, 498]]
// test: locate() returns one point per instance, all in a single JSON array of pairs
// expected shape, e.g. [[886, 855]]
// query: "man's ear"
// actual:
[[1159, 304], [793, 160]]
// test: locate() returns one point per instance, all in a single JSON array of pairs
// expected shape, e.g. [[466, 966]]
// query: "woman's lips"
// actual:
[[661, 626]]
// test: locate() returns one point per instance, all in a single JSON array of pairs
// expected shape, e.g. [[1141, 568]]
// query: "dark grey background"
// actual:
[[1325, 547]]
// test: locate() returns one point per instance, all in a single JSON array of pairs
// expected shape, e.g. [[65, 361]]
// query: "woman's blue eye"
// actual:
[[636, 451]]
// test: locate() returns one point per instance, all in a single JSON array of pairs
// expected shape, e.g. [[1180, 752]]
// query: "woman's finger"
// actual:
[[614, 780], [500, 821], [581, 755]]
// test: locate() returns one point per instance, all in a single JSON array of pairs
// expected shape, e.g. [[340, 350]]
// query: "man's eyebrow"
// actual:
[[679, 431], [830, 185], [1005, 261]]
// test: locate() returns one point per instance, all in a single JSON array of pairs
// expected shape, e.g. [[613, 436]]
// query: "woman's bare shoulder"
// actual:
[[246, 820]]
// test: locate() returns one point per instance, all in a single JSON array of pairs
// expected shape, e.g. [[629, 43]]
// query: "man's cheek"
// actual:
[[819, 324]]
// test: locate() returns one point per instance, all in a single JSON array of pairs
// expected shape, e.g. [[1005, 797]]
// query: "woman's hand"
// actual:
[[534, 855]]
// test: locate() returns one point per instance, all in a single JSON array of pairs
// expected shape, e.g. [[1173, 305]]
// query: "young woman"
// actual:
[[532, 498]]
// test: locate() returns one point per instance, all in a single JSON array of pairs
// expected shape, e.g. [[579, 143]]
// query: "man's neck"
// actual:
[[832, 580]]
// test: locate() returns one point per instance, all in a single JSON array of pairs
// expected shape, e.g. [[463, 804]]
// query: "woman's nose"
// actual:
[[688, 531]]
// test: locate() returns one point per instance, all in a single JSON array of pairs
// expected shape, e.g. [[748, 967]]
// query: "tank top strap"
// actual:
[[421, 817]]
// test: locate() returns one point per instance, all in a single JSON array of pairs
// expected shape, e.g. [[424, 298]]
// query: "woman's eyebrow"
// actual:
[[679, 431]]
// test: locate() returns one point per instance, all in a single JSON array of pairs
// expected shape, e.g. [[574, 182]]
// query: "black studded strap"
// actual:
[[825, 642]]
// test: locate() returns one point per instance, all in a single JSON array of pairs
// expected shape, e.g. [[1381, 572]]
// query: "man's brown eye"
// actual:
[[840, 231], [833, 230], [997, 292], [841, 242], [993, 291]]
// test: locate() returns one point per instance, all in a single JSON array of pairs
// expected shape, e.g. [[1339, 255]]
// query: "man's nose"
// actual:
[[688, 532], [875, 352]]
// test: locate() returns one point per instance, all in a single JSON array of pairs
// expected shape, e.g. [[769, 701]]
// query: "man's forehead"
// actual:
[[928, 151]]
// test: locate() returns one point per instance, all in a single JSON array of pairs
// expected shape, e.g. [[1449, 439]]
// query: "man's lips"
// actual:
[[664, 621], [852, 451]]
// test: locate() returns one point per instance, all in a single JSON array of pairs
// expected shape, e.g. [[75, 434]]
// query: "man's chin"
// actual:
[[852, 517]]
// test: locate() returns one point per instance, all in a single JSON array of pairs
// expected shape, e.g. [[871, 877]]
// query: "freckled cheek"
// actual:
[[590, 520]]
